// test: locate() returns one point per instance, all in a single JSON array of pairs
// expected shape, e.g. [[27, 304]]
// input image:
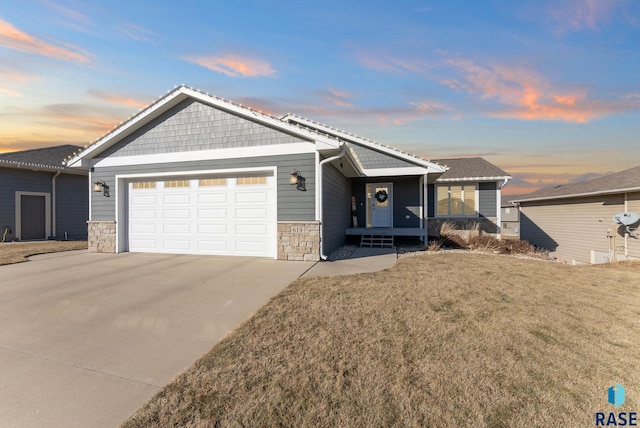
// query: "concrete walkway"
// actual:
[[363, 260], [86, 339]]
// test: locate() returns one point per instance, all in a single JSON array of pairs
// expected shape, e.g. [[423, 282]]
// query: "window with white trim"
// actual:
[[456, 200]]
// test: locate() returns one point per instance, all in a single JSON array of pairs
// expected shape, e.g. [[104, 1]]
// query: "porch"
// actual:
[[384, 237]]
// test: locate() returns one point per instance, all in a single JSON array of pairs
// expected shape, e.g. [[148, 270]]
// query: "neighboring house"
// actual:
[[196, 174], [510, 218], [40, 198], [575, 221]]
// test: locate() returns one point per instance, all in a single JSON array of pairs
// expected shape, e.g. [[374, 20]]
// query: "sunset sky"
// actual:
[[547, 90]]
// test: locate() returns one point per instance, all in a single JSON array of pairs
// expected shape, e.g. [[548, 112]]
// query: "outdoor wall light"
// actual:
[[297, 179], [101, 186]]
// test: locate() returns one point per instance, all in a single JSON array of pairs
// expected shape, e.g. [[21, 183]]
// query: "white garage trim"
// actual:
[[265, 206]]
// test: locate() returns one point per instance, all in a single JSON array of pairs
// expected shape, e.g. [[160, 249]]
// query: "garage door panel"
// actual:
[[254, 213], [212, 198], [141, 200], [181, 213], [176, 199], [208, 214], [215, 246], [143, 228], [217, 229], [211, 216], [246, 197], [145, 244], [251, 246], [143, 214], [170, 244], [176, 228], [252, 229]]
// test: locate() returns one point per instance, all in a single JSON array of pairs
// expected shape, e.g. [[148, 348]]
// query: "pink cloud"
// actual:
[[12, 38], [388, 63], [118, 98], [234, 65], [528, 96], [336, 97], [577, 15]]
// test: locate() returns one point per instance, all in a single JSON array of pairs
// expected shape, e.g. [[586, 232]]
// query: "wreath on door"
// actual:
[[381, 196]]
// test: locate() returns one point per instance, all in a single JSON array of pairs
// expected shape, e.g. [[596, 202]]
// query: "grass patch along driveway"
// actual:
[[438, 340], [16, 252]]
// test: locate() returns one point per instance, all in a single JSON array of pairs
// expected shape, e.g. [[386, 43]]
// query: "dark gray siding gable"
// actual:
[[488, 202], [336, 196], [293, 204], [370, 159], [191, 126]]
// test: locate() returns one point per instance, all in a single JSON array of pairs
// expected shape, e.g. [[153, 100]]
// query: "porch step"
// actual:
[[377, 241]]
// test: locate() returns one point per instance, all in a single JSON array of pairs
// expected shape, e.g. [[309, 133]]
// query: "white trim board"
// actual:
[[201, 155]]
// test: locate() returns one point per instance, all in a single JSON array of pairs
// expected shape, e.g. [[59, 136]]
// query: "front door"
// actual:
[[33, 217], [380, 199]]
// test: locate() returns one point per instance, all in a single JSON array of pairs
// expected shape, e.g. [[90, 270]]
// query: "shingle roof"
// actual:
[[48, 157], [613, 183], [470, 169]]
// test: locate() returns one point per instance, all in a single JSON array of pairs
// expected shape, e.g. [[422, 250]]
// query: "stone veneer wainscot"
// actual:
[[102, 236], [299, 240]]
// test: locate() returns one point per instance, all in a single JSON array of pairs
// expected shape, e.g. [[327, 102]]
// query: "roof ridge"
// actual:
[[361, 138]]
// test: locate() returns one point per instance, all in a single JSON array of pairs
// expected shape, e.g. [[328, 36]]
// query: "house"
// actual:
[[510, 218], [40, 197], [575, 221], [196, 174]]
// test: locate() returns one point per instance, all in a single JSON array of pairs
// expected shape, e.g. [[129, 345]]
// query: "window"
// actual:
[[252, 180], [212, 182], [176, 183], [144, 185], [458, 200]]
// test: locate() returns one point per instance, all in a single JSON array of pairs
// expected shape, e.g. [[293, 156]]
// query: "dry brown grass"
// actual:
[[441, 339], [16, 252]]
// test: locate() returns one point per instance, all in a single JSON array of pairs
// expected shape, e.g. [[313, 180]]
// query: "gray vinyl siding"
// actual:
[[406, 200], [431, 203], [488, 202], [293, 204], [192, 125], [571, 228], [336, 196], [72, 206], [370, 159], [12, 180]]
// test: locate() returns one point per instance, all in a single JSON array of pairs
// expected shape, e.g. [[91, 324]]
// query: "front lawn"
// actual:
[[445, 339], [16, 252]]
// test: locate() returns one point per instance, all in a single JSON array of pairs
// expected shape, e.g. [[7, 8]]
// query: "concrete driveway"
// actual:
[[86, 339]]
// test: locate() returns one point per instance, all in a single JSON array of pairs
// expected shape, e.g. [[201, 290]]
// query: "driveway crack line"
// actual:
[[77, 366]]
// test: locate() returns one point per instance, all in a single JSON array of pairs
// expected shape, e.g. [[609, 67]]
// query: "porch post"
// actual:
[[424, 206]]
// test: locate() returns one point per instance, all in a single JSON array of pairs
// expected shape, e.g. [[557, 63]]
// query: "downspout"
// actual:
[[53, 203], [320, 213]]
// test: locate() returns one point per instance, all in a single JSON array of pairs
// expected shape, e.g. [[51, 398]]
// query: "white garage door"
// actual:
[[205, 215]]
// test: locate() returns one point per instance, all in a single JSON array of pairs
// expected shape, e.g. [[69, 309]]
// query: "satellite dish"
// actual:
[[626, 219]]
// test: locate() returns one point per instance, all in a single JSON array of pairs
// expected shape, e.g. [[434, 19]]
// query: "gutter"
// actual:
[[327, 160]]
